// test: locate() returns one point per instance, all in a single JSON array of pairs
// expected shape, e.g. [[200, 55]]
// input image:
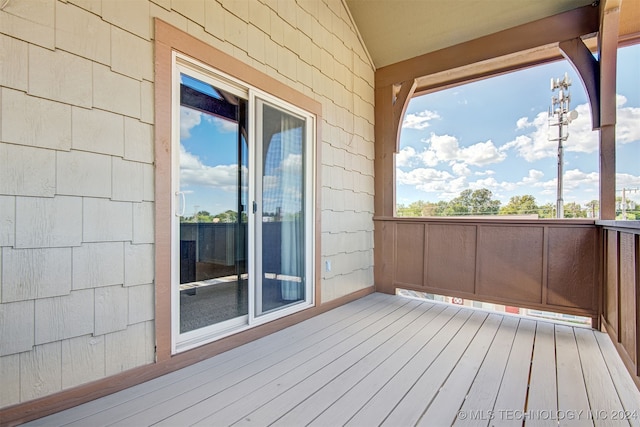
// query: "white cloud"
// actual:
[[431, 180], [447, 148], [533, 177], [535, 145], [625, 180], [481, 154], [409, 157], [461, 169], [189, 119], [628, 128], [523, 122], [194, 172], [419, 120]]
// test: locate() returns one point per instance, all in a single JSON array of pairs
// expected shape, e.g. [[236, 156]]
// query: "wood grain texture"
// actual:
[[510, 263], [451, 257], [611, 288], [628, 295], [572, 280], [409, 265]]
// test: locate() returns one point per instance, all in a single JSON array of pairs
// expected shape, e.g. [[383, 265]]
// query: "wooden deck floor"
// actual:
[[385, 360]]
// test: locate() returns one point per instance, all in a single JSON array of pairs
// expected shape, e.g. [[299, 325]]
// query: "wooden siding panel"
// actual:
[[612, 290], [451, 257], [628, 314], [572, 279], [510, 263], [409, 265]]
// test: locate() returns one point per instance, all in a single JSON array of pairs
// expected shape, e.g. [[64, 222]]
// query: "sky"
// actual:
[[495, 134], [209, 162]]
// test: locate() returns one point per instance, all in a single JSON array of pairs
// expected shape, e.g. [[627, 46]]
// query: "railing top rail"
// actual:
[[627, 226], [506, 220]]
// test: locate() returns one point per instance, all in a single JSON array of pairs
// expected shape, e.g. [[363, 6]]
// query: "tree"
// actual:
[[478, 202], [547, 211], [520, 205], [593, 207], [574, 210], [227, 216]]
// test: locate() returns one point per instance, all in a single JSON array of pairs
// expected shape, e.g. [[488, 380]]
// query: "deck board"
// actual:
[[627, 392], [444, 408], [572, 392], [388, 360], [347, 404], [230, 387], [543, 391], [481, 398], [513, 389]]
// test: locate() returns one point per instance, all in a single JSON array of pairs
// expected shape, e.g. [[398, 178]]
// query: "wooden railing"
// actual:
[[552, 265], [621, 315]]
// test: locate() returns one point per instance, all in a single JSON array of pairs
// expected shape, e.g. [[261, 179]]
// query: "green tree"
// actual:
[[593, 207], [547, 210], [520, 205], [574, 210], [227, 216], [478, 202]]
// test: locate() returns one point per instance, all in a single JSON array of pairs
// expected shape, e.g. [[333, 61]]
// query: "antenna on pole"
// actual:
[[559, 115]]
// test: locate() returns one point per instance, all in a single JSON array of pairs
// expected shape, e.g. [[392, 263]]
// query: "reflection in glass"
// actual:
[[283, 243], [213, 185]]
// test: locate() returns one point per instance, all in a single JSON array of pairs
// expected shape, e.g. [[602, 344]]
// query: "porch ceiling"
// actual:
[[396, 30]]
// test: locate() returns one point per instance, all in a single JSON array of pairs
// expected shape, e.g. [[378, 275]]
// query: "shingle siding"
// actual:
[[77, 176]]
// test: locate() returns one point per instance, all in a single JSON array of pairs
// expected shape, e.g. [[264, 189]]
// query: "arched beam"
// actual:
[[587, 67], [403, 93], [388, 114]]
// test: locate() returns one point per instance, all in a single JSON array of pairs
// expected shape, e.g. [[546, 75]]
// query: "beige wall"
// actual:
[[76, 168]]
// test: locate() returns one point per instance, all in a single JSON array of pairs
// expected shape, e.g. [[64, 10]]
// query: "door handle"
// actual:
[[182, 203]]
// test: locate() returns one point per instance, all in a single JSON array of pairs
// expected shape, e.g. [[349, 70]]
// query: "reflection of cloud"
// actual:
[[292, 164], [223, 125], [189, 119], [419, 120], [194, 172], [535, 145]]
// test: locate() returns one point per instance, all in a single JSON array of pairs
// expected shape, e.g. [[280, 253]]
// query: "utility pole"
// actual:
[[624, 204], [560, 110]]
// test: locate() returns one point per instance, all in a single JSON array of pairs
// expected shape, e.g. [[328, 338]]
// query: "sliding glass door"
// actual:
[[212, 199], [281, 137], [242, 234]]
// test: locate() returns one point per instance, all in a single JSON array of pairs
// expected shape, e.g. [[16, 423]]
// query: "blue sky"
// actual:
[[494, 134], [209, 163]]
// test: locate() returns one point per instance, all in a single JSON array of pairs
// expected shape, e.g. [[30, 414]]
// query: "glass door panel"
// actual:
[[282, 218], [213, 280]]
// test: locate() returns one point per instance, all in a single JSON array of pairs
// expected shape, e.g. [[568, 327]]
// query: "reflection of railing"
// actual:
[[215, 242]]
